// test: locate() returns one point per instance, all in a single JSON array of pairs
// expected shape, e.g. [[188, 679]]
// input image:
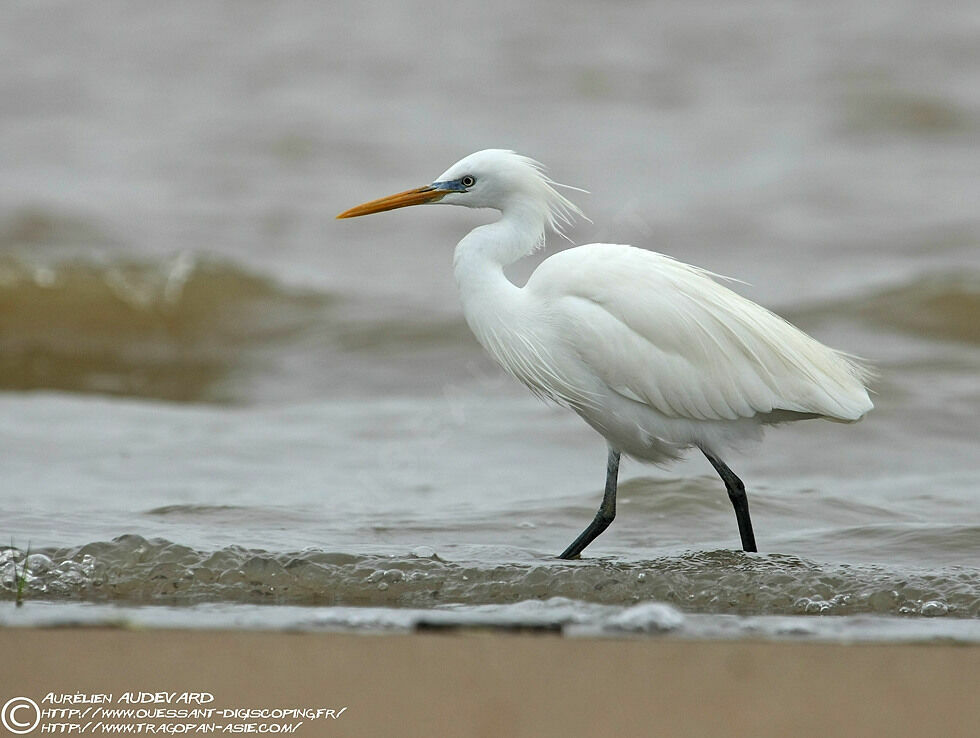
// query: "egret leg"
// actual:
[[736, 493], [607, 510]]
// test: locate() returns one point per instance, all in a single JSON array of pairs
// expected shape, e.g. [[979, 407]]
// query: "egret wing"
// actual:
[[667, 334]]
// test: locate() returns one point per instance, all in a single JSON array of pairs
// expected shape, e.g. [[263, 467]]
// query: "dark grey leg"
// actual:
[[607, 510], [736, 493]]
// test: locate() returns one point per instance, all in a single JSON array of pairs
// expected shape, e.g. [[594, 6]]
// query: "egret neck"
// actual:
[[485, 291]]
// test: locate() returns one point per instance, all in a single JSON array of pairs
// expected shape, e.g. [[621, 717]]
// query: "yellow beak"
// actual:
[[417, 196]]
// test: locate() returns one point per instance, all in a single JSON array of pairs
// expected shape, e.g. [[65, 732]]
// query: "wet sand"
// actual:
[[488, 684]]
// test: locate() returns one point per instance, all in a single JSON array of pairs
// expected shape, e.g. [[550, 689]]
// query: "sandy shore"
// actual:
[[503, 685]]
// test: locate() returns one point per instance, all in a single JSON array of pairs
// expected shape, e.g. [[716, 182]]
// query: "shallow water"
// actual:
[[216, 397]]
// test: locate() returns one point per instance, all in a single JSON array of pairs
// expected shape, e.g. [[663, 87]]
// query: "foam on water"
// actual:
[[133, 570]]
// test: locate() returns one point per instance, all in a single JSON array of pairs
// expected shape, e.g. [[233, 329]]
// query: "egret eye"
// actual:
[[468, 181]]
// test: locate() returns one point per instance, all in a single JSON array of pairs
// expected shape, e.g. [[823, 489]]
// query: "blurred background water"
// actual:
[[214, 394]]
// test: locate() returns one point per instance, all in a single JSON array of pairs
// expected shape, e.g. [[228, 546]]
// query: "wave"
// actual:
[[194, 329], [134, 570], [169, 330], [940, 306]]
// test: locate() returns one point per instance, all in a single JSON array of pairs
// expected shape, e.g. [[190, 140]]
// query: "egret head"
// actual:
[[492, 178]]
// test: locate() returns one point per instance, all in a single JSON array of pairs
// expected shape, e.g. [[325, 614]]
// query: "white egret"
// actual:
[[654, 354]]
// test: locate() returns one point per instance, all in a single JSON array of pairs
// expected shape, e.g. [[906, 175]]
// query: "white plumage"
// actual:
[[654, 354]]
